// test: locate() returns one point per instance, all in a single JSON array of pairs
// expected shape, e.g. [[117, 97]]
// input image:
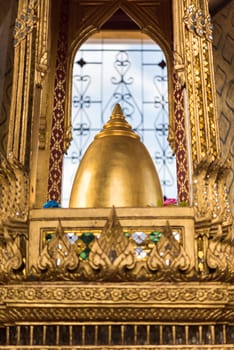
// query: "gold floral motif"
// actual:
[[198, 22], [94, 293]]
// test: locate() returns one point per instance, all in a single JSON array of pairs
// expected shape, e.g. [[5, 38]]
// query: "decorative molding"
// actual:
[[114, 302], [141, 293], [127, 347], [181, 149], [62, 313], [58, 130], [14, 201]]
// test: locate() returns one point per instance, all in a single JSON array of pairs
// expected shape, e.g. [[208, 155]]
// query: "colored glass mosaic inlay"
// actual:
[[143, 240]]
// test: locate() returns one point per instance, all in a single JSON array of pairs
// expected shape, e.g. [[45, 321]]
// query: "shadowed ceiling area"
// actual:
[[121, 20], [217, 5]]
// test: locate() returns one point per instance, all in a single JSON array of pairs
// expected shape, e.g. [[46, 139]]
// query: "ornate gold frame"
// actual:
[[35, 288]]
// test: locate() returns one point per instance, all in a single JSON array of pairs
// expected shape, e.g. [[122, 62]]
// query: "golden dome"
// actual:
[[116, 170]]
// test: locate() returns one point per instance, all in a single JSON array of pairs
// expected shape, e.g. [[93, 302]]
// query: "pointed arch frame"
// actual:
[[93, 25]]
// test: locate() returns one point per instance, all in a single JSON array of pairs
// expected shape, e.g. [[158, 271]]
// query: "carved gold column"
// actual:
[[41, 113], [23, 66], [14, 167], [200, 81], [194, 66]]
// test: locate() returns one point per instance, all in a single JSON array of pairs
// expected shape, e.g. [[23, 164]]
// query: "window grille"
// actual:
[[134, 75]]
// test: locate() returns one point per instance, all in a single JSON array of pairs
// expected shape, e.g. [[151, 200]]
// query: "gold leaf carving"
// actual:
[[112, 250], [168, 255], [58, 254], [10, 256], [220, 260], [43, 38], [14, 201], [210, 194], [92, 292]]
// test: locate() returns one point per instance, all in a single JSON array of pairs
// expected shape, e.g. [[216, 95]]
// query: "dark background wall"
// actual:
[[223, 50]]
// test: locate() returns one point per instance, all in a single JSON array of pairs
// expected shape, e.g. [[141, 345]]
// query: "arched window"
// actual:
[[129, 69]]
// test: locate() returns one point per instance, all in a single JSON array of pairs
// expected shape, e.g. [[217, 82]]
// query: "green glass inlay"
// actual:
[[85, 254], [127, 234], [87, 237], [48, 237], [155, 236]]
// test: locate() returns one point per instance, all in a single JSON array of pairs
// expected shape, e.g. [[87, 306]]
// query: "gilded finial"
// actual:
[[117, 112], [117, 125]]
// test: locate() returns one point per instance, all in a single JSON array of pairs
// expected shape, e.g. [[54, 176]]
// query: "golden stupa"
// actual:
[[116, 170]]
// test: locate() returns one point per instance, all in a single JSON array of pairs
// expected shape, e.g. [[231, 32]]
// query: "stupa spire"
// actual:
[[116, 170]]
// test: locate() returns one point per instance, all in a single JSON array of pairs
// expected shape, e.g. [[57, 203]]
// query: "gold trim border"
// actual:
[[157, 302]]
